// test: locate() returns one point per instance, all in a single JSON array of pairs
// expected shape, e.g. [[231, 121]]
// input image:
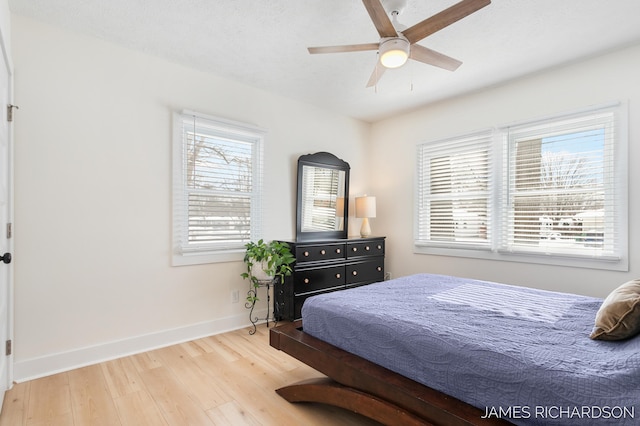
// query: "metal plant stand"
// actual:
[[253, 295]]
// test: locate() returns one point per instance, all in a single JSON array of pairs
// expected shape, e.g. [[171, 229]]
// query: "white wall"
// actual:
[[599, 80], [93, 204], [5, 24]]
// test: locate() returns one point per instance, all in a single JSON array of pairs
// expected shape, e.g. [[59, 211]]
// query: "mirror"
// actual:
[[323, 187]]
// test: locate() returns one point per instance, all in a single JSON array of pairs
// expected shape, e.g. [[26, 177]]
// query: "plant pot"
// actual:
[[257, 270]]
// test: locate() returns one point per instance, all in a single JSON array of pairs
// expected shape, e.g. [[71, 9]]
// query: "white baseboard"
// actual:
[[47, 365]]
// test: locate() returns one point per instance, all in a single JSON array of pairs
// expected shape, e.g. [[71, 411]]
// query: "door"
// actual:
[[6, 196]]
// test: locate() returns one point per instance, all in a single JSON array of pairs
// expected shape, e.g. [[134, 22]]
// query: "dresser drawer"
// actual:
[[367, 271], [365, 248], [310, 280], [320, 252]]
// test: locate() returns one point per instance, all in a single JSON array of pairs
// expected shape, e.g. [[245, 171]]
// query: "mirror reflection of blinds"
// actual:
[[455, 191], [222, 174], [321, 187], [561, 187]]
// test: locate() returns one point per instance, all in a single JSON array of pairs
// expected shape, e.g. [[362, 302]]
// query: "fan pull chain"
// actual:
[[410, 77]]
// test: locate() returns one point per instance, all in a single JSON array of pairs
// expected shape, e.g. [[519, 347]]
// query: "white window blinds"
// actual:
[[321, 186], [561, 197], [217, 184], [454, 192]]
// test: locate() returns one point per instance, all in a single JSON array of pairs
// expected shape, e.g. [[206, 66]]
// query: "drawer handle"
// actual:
[[354, 273], [337, 275], [379, 247], [367, 248], [306, 253], [306, 280], [355, 249], [379, 268], [322, 252], [338, 251]]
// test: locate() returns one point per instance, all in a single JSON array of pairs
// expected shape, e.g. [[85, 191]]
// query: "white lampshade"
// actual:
[[366, 206], [394, 52]]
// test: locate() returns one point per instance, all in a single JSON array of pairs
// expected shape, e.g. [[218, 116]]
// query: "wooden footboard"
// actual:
[[367, 388]]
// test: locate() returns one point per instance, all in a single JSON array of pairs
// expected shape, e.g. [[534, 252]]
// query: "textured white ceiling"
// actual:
[[262, 43]]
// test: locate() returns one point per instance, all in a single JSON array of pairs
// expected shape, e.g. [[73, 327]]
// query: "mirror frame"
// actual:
[[329, 161]]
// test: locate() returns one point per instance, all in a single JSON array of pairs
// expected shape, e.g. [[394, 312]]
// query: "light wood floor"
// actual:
[[227, 379]]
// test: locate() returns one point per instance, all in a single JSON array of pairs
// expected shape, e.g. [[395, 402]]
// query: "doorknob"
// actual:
[[6, 258]]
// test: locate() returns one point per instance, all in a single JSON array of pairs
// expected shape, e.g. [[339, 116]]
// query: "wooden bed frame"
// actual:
[[366, 388]]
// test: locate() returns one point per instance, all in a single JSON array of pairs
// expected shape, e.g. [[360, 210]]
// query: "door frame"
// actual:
[[6, 57]]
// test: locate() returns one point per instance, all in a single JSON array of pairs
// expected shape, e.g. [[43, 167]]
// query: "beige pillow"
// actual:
[[619, 316]]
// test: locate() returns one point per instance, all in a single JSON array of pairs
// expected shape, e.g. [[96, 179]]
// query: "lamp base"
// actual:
[[365, 229]]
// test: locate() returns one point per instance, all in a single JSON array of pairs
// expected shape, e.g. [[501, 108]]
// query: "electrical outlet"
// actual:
[[235, 296]]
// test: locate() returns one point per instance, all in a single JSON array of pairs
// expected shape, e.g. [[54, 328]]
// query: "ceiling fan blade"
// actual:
[[431, 57], [376, 75], [346, 48], [443, 19], [380, 18]]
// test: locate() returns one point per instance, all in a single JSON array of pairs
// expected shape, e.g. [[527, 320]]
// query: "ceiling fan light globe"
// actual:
[[394, 52], [394, 58]]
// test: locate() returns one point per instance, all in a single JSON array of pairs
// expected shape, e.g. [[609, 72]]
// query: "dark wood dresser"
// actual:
[[328, 265]]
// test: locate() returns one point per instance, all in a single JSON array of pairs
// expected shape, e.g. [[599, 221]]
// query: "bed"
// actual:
[[433, 349]]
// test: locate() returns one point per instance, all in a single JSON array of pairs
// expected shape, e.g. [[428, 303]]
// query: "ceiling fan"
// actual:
[[396, 44]]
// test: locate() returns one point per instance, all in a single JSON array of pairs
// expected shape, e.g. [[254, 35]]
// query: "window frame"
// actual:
[[497, 251], [462, 146], [229, 130]]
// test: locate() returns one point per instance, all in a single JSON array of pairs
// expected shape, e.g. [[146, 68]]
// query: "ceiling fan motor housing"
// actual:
[[394, 52]]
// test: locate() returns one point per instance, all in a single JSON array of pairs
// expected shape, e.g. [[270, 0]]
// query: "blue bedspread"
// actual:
[[515, 353]]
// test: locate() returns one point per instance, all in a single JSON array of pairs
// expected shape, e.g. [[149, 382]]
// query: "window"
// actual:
[[217, 188], [547, 191], [455, 192]]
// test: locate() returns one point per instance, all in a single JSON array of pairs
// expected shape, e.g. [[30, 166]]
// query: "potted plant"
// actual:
[[266, 261]]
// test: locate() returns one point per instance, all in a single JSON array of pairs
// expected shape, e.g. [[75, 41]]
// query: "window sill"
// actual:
[[611, 264], [209, 257]]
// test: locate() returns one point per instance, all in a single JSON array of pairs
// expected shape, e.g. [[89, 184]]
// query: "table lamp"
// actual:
[[365, 208]]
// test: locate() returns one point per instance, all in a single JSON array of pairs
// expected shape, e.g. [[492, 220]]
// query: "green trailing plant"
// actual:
[[274, 258]]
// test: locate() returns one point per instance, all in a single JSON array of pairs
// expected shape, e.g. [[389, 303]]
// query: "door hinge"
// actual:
[[10, 108], [8, 348], [9, 230]]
